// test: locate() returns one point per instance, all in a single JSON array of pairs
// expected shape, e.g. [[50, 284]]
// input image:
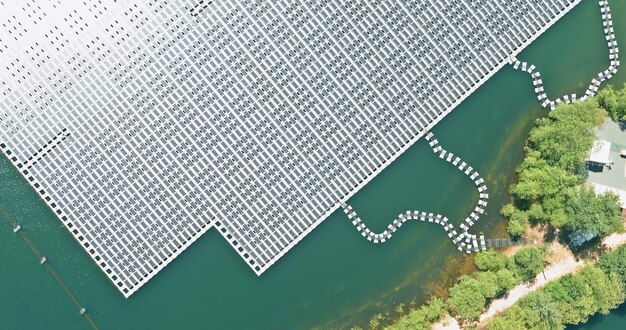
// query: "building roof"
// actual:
[[600, 152], [144, 125]]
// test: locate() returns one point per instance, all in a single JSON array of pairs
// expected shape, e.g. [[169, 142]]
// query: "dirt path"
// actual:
[[563, 263], [553, 272], [566, 265], [448, 323], [614, 241]]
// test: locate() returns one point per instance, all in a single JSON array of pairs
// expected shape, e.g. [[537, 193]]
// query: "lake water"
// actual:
[[334, 278], [613, 321]]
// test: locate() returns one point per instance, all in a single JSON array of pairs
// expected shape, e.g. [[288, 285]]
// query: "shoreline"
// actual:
[[549, 193], [568, 265]]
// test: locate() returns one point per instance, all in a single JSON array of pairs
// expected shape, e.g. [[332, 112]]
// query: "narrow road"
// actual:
[[553, 272], [567, 265]]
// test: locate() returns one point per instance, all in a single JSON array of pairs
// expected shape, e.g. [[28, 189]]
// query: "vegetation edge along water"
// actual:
[[549, 195], [335, 278]]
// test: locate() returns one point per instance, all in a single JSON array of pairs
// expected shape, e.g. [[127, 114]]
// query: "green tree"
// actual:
[[569, 300], [422, 317], [539, 180], [466, 298], [516, 318], [615, 263], [507, 210], [507, 279], [530, 261], [582, 295], [554, 208], [546, 308], [536, 213], [491, 260], [565, 136], [518, 224], [614, 101], [488, 284], [608, 292], [591, 214]]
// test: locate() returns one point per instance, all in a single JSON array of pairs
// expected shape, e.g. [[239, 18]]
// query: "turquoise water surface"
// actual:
[[616, 320], [334, 278]]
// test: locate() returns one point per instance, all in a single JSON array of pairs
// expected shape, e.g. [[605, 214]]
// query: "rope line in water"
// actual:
[[19, 230]]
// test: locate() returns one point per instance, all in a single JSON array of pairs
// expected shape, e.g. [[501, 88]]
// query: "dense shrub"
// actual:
[[422, 317], [548, 178], [614, 101], [572, 299], [591, 214], [615, 262], [469, 297]]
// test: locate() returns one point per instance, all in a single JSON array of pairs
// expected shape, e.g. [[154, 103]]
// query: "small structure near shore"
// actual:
[[599, 154], [606, 151]]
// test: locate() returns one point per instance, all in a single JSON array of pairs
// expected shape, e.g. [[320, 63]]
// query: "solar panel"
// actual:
[[145, 123]]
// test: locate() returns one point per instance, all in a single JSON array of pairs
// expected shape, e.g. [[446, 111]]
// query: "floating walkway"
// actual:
[[609, 33], [461, 238], [261, 99], [503, 243]]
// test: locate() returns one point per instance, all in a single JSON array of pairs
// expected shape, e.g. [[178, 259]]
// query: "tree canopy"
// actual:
[[491, 260], [614, 101], [538, 180], [615, 262], [467, 298], [581, 295], [530, 261], [548, 190], [499, 274], [423, 317], [548, 186], [572, 299], [565, 136], [588, 213]]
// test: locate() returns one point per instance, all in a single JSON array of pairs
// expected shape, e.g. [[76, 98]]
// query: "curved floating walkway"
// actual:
[[462, 239], [609, 33]]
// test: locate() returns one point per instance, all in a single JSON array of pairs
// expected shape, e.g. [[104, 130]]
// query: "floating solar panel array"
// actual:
[[142, 124]]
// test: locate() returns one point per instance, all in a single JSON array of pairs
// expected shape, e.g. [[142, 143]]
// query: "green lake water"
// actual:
[[613, 321], [334, 278], [616, 320]]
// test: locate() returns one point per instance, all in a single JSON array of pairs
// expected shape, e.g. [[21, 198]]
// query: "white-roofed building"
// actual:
[[599, 153]]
